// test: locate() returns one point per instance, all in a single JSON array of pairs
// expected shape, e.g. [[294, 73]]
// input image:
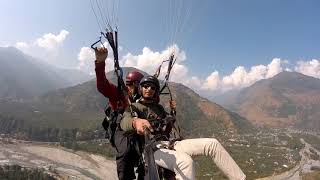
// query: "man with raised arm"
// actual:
[[126, 157]]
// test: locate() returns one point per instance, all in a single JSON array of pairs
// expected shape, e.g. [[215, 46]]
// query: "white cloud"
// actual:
[[179, 73], [85, 55], [24, 47], [50, 41], [86, 58], [150, 60], [235, 80], [193, 82], [212, 82], [310, 68], [130, 60], [274, 68], [21, 45], [256, 73], [289, 69], [44, 48], [147, 61], [240, 77]]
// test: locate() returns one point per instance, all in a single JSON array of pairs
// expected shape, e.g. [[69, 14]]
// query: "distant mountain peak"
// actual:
[[22, 76], [287, 75], [287, 99], [10, 49]]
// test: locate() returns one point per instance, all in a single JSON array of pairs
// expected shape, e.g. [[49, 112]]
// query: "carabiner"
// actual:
[[95, 43]]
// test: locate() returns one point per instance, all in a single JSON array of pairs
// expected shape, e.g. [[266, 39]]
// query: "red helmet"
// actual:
[[134, 76]]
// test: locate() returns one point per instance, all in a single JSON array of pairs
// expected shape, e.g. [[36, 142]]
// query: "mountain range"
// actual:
[[81, 107], [53, 101], [287, 99], [22, 76]]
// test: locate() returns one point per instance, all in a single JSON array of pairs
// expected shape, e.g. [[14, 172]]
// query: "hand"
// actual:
[[173, 104], [101, 54], [140, 125]]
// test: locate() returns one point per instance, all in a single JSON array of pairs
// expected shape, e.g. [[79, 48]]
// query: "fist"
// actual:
[[173, 104], [101, 54], [141, 125]]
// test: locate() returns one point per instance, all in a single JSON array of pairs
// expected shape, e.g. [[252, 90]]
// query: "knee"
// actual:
[[212, 142], [212, 145], [123, 175], [185, 162], [185, 168]]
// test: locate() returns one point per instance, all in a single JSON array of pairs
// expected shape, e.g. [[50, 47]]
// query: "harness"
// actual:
[[151, 142], [111, 123]]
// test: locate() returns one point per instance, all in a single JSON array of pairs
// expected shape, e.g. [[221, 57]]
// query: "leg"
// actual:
[[126, 157], [179, 162], [212, 148]]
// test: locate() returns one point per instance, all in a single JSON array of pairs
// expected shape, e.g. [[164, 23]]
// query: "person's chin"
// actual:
[[148, 96]]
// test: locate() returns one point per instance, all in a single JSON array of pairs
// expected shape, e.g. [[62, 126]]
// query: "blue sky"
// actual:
[[221, 40]]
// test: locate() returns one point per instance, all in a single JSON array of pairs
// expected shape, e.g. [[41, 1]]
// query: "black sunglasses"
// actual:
[[146, 86]]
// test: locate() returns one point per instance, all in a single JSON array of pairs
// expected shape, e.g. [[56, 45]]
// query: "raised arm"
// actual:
[[106, 88]]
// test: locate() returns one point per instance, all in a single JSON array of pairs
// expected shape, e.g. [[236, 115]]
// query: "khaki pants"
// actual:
[[180, 161]]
